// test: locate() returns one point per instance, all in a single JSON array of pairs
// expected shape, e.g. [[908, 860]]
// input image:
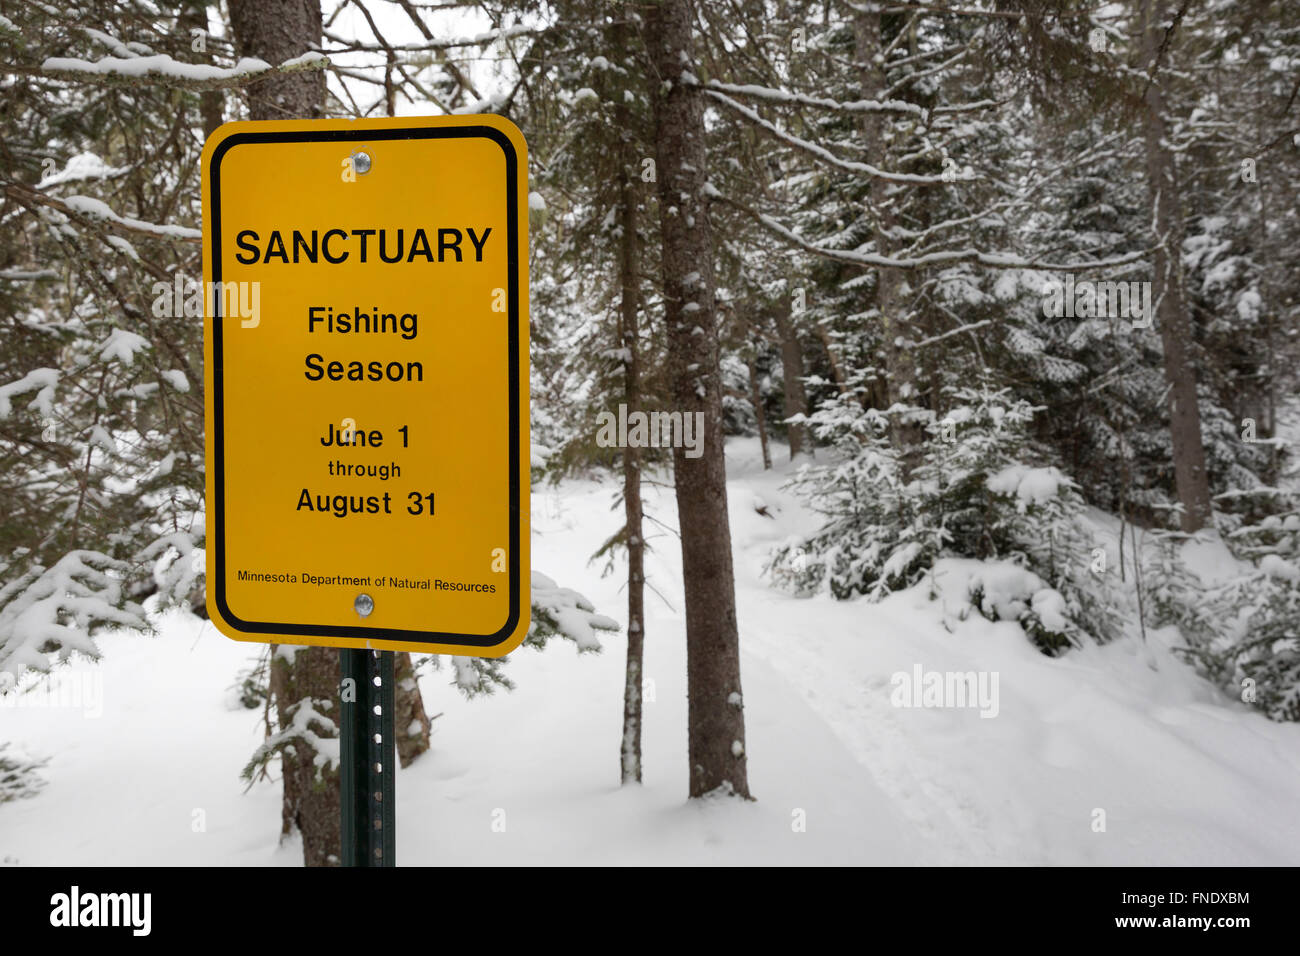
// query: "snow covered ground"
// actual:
[[1182, 774]]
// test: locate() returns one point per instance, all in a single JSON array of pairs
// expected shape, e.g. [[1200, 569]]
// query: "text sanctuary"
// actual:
[[360, 245]]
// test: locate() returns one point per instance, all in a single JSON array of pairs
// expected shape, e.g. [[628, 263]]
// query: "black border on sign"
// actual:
[[218, 399]]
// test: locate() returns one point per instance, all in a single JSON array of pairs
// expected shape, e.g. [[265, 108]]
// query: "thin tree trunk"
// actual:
[[211, 107], [1137, 581], [411, 723], [1123, 520], [275, 31], [1266, 315], [716, 737], [193, 17], [1167, 289], [1125, 478], [837, 373], [899, 366], [756, 399], [796, 400], [629, 308]]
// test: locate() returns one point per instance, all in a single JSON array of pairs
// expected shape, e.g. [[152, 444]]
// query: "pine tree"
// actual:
[[716, 745]]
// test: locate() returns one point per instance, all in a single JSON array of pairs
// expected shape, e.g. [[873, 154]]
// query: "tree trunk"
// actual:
[[1268, 373], [716, 737], [900, 370], [756, 399], [796, 400], [192, 17], [1167, 289], [837, 373], [410, 720], [275, 31], [311, 795], [630, 304]]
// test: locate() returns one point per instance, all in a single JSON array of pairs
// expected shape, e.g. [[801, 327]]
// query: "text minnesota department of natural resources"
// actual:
[[346, 580]]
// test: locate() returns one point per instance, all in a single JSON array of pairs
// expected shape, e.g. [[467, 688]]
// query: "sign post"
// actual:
[[367, 755], [366, 362]]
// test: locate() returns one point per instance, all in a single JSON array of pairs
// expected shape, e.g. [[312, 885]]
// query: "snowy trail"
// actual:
[[851, 694], [1095, 730], [843, 666]]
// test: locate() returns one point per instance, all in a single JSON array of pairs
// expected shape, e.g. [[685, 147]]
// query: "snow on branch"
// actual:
[[787, 98], [53, 611], [98, 209], [117, 47], [162, 69], [820, 152], [556, 612], [27, 275], [872, 260], [308, 727], [969, 327], [177, 564], [41, 381], [89, 209], [83, 166], [947, 10], [480, 39], [565, 613]]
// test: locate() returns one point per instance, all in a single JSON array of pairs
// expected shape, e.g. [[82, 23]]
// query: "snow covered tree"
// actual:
[[977, 486], [1242, 631], [100, 422]]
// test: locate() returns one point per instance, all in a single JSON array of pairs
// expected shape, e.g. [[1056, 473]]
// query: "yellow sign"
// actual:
[[366, 361]]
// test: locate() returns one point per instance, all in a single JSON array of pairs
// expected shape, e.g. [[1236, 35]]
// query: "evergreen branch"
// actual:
[[820, 152], [872, 260], [786, 98]]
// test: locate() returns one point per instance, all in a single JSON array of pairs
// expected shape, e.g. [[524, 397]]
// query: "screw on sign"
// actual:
[[353, 500]]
